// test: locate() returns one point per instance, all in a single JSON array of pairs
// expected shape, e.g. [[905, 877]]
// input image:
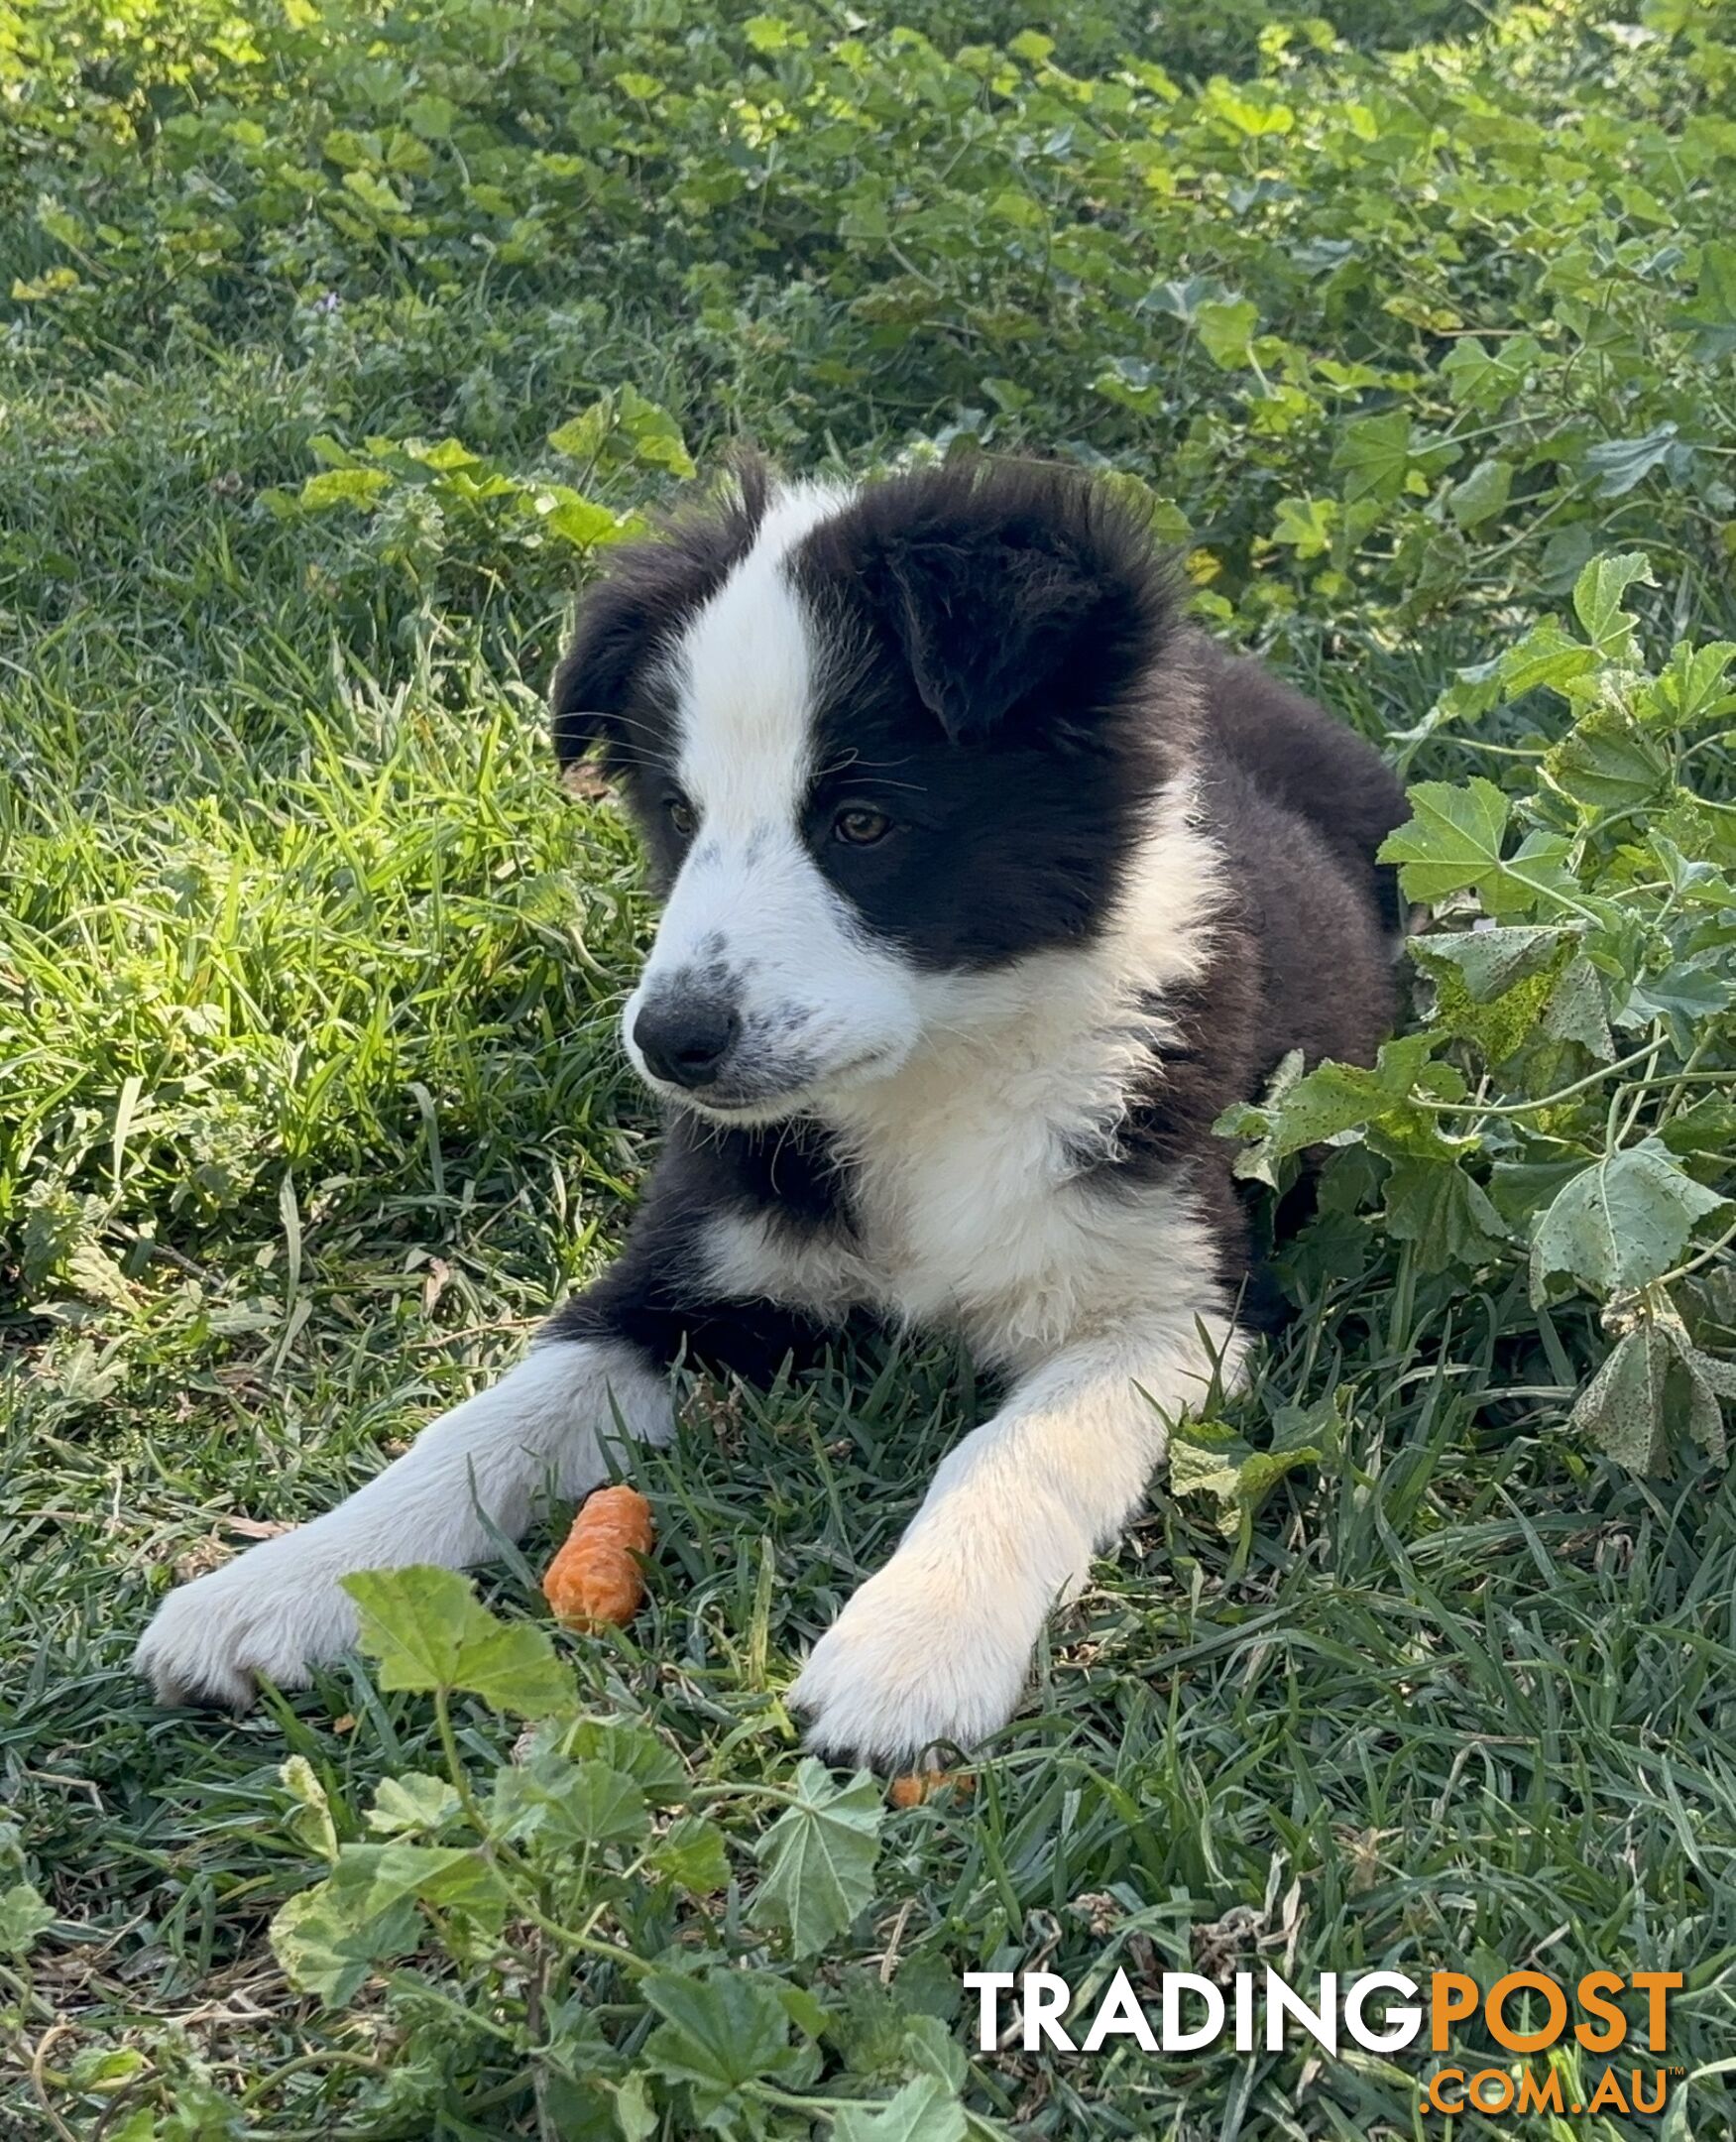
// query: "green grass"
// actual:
[[310, 1102]]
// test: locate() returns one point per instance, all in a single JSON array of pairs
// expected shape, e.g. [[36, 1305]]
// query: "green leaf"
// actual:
[[692, 1854], [1692, 688], [636, 1751], [720, 2030], [1438, 1206], [1373, 454], [1624, 1408], [819, 1857], [1597, 602], [1482, 495], [1712, 314], [1483, 377], [360, 486], [1490, 962], [1576, 1010], [429, 1631], [1606, 762], [1547, 657], [1620, 464], [1225, 327], [635, 2115], [1452, 838], [582, 436], [926, 2109], [1621, 1222], [1306, 525], [567, 1804], [311, 1823], [1209, 1458], [413, 1804], [24, 1917]]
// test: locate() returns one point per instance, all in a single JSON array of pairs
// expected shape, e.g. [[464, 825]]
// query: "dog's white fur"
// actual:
[[963, 1102]]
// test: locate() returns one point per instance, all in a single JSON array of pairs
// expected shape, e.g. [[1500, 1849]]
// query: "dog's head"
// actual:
[[876, 741]]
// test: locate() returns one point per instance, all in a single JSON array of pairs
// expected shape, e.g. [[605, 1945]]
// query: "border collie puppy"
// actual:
[[987, 885]]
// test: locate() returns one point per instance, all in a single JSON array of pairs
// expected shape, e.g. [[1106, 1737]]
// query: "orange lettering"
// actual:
[[1607, 2096], [1654, 1985], [1526, 2041], [1479, 2090], [1451, 1997], [1592, 1989], [1540, 2093]]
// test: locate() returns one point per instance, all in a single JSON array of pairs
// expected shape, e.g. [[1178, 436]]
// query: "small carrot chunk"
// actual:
[[595, 1577], [920, 1785]]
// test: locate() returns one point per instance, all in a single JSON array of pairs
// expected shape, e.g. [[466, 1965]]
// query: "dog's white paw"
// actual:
[[916, 1662], [273, 1613]]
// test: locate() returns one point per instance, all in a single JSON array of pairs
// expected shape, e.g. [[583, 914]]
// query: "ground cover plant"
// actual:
[[336, 346]]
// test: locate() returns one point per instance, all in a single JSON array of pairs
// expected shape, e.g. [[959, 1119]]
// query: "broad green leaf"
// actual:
[[413, 1804], [1330, 1099], [1452, 840], [1225, 327], [567, 1804], [1482, 494], [1623, 1409], [1608, 763], [582, 436], [1373, 454], [691, 1853], [1576, 1010], [720, 2030], [1692, 686], [1306, 525], [1622, 1222], [1490, 962], [1547, 657], [1209, 1458], [344, 487], [1620, 464], [635, 2115], [1712, 314], [429, 1631], [1438, 1206], [818, 1857], [1597, 602], [926, 2109], [633, 1750], [329, 1938], [1482, 376], [24, 1917]]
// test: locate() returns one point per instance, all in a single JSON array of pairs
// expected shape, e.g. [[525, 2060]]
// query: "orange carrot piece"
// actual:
[[595, 1578], [919, 1785]]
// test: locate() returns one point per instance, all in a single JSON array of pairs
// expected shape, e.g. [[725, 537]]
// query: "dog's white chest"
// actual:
[[969, 1210]]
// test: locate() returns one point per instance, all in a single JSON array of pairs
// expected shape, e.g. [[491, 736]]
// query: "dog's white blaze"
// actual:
[[746, 672], [814, 993]]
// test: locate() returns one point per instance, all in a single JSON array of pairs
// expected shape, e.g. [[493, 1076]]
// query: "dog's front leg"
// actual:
[[936, 1647], [279, 1610]]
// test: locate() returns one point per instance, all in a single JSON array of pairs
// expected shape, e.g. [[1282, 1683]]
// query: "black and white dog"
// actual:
[[988, 886]]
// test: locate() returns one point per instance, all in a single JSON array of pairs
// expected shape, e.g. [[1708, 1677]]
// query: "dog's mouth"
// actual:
[[768, 1098]]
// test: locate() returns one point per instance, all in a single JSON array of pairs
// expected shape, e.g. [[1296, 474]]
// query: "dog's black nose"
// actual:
[[684, 1040]]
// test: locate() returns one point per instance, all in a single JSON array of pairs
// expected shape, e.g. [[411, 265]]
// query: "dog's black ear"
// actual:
[[1021, 595], [985, 622], [615, 639]]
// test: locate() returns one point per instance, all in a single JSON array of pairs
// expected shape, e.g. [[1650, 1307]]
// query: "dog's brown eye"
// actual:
[[682, 816], [861, 827]]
